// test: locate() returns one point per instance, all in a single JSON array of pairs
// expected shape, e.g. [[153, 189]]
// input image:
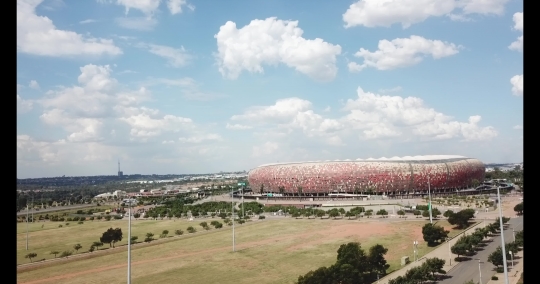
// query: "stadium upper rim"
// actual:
[[424, 158]]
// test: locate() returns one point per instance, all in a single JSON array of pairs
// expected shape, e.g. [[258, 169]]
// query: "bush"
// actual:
[[117, 217], [178, 232], [108, 217], [92, 218], [494, 277], [99, 217], [80, 222], [69, 219], [76, 218], [261, 217], [60, 226], [500, 270]]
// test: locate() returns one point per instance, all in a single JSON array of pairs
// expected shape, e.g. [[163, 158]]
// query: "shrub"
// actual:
[[494, 277], [76, 218], [117, 217], [92, 218], [69, 219], [261, 217], [60, 226], [99, 217], [178, 232], [500, 270], [80, 222], [108, 217]]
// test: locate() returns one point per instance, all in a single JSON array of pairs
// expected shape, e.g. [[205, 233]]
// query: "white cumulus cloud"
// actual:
[[402, 52], [385, 13], [237, 126], [517, 85], [175, 6], [264, 149], [518, 26], [34, 85], [200, 138], [37, 35], [271, 42]]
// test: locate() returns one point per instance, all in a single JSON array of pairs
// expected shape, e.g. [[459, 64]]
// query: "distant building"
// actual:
[[120, 173]]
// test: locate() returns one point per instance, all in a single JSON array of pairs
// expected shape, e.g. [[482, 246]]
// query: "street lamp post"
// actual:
[[514, 234], [129, 245], [429, 195], [502, 236], [27, 226], [232, 214], [415, 246], [449, 252], [512, 256], [480, 271]]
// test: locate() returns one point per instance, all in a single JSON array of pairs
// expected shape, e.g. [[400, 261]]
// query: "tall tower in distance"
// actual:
[[120, 173]]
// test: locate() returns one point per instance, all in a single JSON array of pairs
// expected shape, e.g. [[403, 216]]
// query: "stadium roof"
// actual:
[[382, 159]]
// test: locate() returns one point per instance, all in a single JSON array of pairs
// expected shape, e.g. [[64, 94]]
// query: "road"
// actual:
[[49, 209], [468, 270]]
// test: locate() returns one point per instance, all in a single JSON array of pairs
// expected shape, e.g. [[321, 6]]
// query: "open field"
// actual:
[[61, 210], [268, 251]]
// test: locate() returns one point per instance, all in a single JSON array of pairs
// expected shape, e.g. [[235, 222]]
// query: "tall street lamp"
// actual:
[[502, 236], [512, 256], [480, 271], [415, 249], [429, 195], [129, 244], [232, 214], [27, 225], [449, 252]]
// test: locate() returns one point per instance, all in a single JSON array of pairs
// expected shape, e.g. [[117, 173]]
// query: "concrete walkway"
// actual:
[[442, 252]]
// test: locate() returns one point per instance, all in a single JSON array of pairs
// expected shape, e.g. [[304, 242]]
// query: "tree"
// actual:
[[165, 232], [178, 232], [519, 208], [376, 259], [97, 244], [66, 253], [190, 229], [91, 249], [77, 247], [401, 213], [382, 213], [447, 213], [519, 238], [111, 236], [435, 265], [368, 213], [204, 225], [417, 213], [55, 252], [461, 218], [321, 213], [433, 234], [435, 212], [460, 249], [149, 237], [134, 239], [333, 213], [511, 247], [30, 256], [496, 257]]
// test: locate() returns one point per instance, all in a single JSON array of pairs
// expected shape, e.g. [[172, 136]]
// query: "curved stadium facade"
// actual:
[[396, 175]]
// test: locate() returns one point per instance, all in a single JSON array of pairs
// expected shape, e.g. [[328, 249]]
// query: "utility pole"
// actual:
[[429, 194], [480, 271]]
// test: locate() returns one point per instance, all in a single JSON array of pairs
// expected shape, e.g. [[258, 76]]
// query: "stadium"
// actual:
[[385, 176]]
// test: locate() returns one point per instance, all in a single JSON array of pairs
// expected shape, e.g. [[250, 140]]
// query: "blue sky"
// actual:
[[187, 86]]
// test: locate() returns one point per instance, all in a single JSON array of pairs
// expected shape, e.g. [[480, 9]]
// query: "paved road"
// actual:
[[468, 270], [49, 209]]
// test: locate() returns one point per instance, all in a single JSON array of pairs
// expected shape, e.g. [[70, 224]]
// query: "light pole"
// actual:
[[480, 271], [502, 236], [514, 234], [429, 195], [129, 245], [243, 202], [27, 226], [449, 252], [232, 214], [415, 246], [512, 256]]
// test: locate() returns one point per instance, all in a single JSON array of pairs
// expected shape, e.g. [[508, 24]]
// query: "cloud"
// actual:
[[402, 52], [37, 35], [189, 88], [264, 149], [33, 85], [148, 7], [327, 109], [385, 13], [374, 13], [200, 138], [518, 26], [87, 21], [517, 85], [137, 23], [237, 126], [271, 42], [175, 6], [176, 57], [518, 127], [148, 123], [23, 105]]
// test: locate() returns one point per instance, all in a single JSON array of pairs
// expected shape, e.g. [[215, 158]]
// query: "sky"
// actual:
[[193, 86]]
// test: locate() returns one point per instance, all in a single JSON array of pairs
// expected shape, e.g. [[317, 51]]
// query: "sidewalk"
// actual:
[[442, 252], [513, 273]]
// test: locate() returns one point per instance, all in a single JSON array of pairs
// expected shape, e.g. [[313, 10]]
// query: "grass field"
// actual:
[[268, 251]]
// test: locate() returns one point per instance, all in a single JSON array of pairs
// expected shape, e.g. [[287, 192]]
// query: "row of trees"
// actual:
[[353, 266], [469, 244], [428, 271], [496, 257]]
